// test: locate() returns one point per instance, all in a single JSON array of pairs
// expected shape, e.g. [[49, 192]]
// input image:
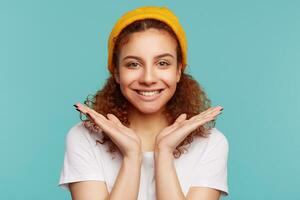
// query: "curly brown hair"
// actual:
[[189, 94]]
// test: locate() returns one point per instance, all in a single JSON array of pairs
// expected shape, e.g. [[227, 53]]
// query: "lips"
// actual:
[[148, 92], [148, 95]]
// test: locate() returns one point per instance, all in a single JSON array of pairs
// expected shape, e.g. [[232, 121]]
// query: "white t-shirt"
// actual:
[[205, 163]]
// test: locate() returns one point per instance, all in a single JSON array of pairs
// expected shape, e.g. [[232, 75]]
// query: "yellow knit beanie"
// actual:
[[153, 12]]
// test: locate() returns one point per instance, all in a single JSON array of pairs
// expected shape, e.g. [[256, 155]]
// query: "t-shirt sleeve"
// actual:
[[80, 162], [211, 170]]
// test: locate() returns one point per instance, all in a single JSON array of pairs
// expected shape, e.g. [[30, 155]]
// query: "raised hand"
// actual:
[[125, 138], [170, 137]]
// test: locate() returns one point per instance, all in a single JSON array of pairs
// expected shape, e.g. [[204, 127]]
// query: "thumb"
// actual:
[[181, 118], [114, 119]]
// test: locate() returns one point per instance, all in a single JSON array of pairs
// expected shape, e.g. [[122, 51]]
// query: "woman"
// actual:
[[149, 133]]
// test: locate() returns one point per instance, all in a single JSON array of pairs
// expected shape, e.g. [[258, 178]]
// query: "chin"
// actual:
[[148, 109]]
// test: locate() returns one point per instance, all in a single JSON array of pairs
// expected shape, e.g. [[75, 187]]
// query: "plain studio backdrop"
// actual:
[[246, 55]]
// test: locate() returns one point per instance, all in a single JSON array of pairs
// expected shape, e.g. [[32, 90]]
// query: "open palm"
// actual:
[[125, 138], [170, 137]]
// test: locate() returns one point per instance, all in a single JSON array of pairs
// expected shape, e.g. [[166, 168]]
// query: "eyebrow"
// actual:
[[158, 56]]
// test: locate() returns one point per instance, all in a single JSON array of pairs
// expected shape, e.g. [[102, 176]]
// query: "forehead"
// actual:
[[149, 42]]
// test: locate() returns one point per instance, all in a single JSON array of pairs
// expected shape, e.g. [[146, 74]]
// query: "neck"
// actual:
[[147, 125]]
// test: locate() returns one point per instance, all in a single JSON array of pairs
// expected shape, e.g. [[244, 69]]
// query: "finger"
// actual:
[[216, 111], [106, 125], [81, 108], [113, 118], [180, 118], [207, 118], [116, 121], [90, 115], [201, 113], [85, 109], [212, 109], [197, 121], [200, 120], [103, 124], [208, 112], [174, 126]]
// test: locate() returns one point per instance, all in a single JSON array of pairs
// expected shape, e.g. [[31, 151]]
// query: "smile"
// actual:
[[148, 93]]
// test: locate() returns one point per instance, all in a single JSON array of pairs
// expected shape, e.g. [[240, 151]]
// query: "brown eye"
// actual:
[[132, 65], [163, 63]]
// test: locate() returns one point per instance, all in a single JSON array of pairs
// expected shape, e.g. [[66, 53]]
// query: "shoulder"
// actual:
[[217, 143], [76, 132], [211, 162], [214, 142], [216, 136], [79, 134]]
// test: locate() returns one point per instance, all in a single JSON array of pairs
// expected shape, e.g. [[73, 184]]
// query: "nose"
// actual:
[[148, 76]]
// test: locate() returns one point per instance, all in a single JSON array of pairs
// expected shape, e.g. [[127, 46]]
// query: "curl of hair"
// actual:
[[189, 95]]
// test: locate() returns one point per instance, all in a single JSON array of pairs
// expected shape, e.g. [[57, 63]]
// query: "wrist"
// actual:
[[162, 150], [163, 153], [133, 158]]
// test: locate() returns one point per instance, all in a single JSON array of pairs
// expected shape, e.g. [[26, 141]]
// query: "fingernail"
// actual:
[[75, 105], [221, 109]]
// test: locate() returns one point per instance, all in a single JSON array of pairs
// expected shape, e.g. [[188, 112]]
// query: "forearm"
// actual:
[[128, 180], [167, 183]]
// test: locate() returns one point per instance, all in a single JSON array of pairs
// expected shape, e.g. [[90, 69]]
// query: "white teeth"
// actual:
[[148, 93]]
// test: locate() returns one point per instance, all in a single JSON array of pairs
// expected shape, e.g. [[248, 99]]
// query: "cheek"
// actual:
[[127, 78], [169, 78]]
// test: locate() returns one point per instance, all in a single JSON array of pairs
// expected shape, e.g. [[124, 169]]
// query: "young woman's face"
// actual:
[[148, 72]]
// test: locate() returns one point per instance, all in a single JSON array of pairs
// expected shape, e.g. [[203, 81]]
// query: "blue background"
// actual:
[[246, 55]]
